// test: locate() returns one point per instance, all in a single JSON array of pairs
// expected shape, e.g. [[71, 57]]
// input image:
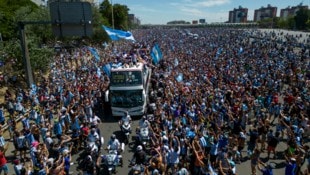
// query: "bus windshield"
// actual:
[[127, 99], [126, 78]]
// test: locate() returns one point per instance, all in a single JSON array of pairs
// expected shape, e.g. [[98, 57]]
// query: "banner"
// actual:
[[156, 54], [116, 35]]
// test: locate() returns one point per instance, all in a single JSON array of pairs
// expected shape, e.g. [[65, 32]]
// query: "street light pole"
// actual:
[[112, 14]]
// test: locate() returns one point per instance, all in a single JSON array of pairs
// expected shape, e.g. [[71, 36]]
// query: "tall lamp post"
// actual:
[[112, 14]]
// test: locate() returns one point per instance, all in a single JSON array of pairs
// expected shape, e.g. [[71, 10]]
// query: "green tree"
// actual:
[[301, 18], [266, 23], [106, 11], [8, 19], [35, 36], [98, 20], [283, 23], [291, 22], [308, 24], [120, 14]]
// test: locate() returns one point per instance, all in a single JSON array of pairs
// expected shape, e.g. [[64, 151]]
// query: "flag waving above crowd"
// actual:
[[116, 35], [94, 52], [156, 54]]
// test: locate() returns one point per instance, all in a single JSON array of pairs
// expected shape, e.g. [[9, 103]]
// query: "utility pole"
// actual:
[[25, 52], [24, 47], [112, 14]]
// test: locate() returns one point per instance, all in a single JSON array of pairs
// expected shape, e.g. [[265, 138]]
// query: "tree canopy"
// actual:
[[120, 14]]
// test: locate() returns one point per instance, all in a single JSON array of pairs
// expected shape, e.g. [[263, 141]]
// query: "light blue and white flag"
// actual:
[[219, 52], [94, 52], [98, 72], [116, 35], [179, 77], [156, 54], [240, 50], [176, 62], [33, 90], [107, 69]]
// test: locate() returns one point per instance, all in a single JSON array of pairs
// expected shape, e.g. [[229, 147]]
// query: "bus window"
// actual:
[[129, 98]]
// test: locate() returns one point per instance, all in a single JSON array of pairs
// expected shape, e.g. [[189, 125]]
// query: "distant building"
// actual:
[[239, 15], [264, 13], [133, 19], [202, 21], [194, 22], [291, 11]]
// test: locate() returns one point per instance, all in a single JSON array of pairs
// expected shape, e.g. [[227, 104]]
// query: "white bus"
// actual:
[[128, 89]]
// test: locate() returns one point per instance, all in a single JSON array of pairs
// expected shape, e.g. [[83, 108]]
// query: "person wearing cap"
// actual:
[[125, 118], [139, 157], [266, 169], [143, 122], [19, 168]]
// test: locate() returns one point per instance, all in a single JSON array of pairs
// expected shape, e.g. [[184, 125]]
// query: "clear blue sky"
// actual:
[[163, 11]]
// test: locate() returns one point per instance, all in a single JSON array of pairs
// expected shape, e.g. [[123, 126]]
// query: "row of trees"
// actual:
[[300, 21], [40, 38]]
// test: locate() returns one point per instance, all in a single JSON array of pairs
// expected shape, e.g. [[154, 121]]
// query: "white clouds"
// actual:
[[143, 8], [198, 8], [201, 9], [210, 3], [201, 4], [192, 11], [163, 11], [216, 17]]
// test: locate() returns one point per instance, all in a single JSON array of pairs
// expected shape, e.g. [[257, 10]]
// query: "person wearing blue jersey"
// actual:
[[266, 169]]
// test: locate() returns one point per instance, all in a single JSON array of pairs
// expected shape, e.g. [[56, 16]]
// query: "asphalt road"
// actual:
[[109, 126]]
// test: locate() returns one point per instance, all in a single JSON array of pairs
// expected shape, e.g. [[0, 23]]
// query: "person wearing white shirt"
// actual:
[[125, 118], [114, 143], [94, 120], [144, 123]]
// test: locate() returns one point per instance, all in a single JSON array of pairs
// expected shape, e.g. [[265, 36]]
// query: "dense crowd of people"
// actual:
[[222, 96]]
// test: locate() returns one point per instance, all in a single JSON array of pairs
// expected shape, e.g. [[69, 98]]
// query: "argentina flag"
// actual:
[[107, 69], [156, 54], [116, 35], [94, 52]]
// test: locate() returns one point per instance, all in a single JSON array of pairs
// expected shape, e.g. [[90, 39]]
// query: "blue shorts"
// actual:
[[5, 169]]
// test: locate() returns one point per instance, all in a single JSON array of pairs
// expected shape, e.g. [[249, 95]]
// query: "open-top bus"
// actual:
[[128, 89]]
